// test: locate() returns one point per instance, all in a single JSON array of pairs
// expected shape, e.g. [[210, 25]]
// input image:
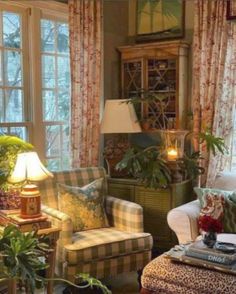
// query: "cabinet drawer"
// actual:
[[156, 204]]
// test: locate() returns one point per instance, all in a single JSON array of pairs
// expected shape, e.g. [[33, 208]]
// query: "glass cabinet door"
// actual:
[[162, 83]]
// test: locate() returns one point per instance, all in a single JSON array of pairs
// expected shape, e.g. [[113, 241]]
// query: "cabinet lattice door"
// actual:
[[157, 73]]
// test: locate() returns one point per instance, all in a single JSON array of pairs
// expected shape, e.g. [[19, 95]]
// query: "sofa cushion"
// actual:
[[105, 243], [84, 205], [229, 207], [77, 177]]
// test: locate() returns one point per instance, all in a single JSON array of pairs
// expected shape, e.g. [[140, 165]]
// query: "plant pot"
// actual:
[[112, 168], [146, 125], [209, 239], [9, 199]]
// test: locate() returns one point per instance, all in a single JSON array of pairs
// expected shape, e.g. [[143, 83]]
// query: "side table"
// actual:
[[53, 235]]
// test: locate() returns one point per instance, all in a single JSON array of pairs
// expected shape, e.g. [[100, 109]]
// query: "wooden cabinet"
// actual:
[[156, 204], [160, 69]]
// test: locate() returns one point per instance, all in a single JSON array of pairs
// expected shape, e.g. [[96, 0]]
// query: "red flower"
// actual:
[[210, 224]]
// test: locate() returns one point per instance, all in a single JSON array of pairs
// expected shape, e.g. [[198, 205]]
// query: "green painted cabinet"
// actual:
[[156, 204]]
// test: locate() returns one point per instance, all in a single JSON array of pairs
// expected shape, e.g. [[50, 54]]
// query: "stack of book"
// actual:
[[12, 217], [198, 250]]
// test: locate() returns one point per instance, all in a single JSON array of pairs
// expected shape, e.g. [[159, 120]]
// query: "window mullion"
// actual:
[[38, 135]]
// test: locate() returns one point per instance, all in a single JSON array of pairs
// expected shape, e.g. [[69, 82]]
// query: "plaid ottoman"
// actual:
[[164, 276]]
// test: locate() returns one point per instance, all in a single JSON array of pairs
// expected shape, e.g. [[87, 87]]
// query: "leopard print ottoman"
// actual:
[[164, 276]]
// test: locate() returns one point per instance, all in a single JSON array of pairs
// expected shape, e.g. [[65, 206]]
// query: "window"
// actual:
[[55, 91], [35, 79], [12, 77]]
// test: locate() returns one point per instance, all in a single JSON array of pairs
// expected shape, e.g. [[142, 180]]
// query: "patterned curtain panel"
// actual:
[[214, 56], [85, 22]]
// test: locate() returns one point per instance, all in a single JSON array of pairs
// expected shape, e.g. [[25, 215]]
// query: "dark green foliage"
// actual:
[[146, 97], [21, 260], [190, 166], [10, 146], [147, 166], [92, 282], [213, 143], [20, 257]]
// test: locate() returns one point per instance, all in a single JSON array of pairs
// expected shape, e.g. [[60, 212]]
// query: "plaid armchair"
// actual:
[[122, 247]]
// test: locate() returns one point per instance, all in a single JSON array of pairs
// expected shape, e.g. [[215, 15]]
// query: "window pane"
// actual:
[[56, 92], [3, 131], [1, 72], [66, 139], [14, 106], [66, 162], [62, 38], [49, 106], [64, 105], [53, 164], [11, 30], [53, 140], [19, 132], [1, 106], [12, 66], [63, 72], [48, 70], [47, 35]]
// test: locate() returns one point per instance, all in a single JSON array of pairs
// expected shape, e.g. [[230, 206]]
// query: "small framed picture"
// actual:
[[231, 10]]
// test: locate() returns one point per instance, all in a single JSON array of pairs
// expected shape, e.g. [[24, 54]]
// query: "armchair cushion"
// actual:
[[77, 177], [84, 205], [105, 243], [124, 215]]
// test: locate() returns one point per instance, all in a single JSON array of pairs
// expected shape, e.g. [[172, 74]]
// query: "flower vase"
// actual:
[[209, 239]]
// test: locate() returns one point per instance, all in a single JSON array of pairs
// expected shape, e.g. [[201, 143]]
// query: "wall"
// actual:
[[116, 25], [119, 29]]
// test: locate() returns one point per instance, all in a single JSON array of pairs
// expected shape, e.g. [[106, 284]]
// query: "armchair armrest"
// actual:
[[124, 215], [62, 221], [183, 221]]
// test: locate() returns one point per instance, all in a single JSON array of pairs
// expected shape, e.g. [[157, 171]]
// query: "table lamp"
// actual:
[[29, 169], [119, 117]]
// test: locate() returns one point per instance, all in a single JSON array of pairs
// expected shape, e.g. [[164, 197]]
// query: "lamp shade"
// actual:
[[119, 117], [29, 167]]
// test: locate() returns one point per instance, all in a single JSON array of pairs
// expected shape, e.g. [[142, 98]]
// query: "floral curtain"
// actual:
[[85, 23], [214, 56]]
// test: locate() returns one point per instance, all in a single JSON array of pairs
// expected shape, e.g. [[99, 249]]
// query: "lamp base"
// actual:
[[30, 202]]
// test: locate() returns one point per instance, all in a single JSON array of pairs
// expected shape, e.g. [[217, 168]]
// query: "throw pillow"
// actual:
[[84, 205], [218, 204]]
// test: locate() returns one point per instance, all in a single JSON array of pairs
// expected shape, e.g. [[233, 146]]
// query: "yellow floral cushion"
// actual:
[[84, 205]]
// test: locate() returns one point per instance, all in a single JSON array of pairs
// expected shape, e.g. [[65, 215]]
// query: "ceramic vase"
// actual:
[[209, 239]]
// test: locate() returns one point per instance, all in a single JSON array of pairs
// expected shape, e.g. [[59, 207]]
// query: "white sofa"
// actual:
[[183, 219]]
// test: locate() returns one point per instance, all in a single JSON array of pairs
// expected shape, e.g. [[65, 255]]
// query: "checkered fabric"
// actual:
[[93, 251], [108, 267], [105, 243], [64, 223], [77, 177], [124, 215]]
